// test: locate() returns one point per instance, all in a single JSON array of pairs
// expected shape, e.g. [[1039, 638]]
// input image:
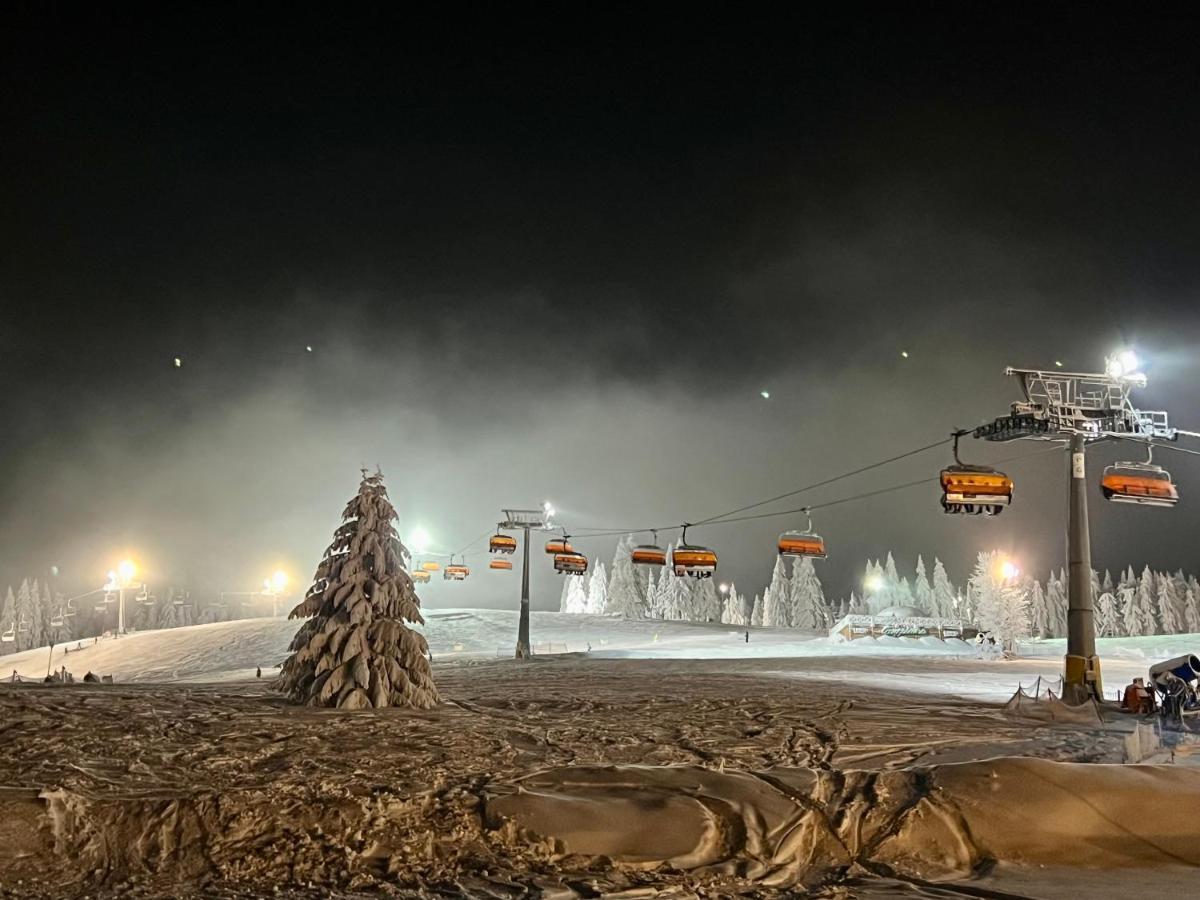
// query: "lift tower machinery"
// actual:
[[1080, 409]]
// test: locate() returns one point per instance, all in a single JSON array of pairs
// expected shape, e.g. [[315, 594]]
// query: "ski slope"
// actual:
[[231, 651]]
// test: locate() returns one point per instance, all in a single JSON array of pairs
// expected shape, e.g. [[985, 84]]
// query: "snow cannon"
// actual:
[[1186, 667]]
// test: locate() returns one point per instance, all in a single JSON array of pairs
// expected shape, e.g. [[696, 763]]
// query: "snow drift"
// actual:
[[794, 826]]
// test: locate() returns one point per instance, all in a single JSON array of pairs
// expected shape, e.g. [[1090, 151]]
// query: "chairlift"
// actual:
[[570, 562], [692, 560], [22, 626], [69, 612], [420, 576], [1143, 483], [649, 554], [177, 598], [455, 572], [9, 635], [430, 566], [149, 600], [558, 546], [56, 621], [502, 543], [501, 565], [142, 596], [974, 490], [802, 543], [110, 597]]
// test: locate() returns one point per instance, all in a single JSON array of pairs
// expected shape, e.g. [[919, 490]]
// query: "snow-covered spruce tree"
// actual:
[[8, 618], [778, 597], [1039, 612], [1002, 605], [1191, 611], [943, 593], [24, 610], [756, 611], [1131, 622], [809, 610], [355, 651], [626, 592], [1169, 613], [1147, 602], [706, 601], [922, 590], [574, 595], [597, 590], [1108, 619], [1056, 605], [733, 610]]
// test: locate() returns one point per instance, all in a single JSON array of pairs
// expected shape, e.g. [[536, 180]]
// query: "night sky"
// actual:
[[560, 259]]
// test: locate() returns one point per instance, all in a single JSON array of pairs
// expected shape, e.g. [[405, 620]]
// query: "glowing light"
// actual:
[[419, 540], [904, 353], [278, 581], [126, 569], [1009, 570], [1123, 363], [308, 348], [724, 588], [1058, 363], [874, 583], [766, 395], [178, 362]]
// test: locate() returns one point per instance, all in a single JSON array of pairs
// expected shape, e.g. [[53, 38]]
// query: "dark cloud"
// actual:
[[565, 268]]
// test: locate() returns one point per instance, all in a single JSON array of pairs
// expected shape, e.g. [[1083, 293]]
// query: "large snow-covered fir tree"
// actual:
[[1056, 604], [1147, 602], [1169, 612], [355, 650], [756, 611], [1191, 611], [922, 589]]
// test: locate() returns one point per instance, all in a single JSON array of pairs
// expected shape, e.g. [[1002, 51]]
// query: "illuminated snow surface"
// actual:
[[231, 651]]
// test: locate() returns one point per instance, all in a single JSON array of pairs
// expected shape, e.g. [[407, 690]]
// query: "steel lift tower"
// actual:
[[525, 520], [1080, 409]]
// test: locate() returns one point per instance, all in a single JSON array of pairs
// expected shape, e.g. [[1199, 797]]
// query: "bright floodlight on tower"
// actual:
[[1009, 570], [1123, 363], [874, 583], [419, 540], [126, 569], [279, 581]]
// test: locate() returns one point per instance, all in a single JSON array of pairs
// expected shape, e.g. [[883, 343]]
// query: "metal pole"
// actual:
[[523, 629], [121, 610], [1081, 676]]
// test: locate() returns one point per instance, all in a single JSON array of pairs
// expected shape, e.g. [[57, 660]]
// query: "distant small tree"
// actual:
[[756, 611], [355, 650]]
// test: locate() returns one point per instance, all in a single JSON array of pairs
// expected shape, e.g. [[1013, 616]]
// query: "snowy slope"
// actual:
[[233, 649], [230, 651]]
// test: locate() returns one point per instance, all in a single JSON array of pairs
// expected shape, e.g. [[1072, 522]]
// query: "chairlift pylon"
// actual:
[[974, 490], [1143, 483], [803, 543]]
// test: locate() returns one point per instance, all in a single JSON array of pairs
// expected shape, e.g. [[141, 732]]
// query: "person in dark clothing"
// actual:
[[258, 672], [747, 637]]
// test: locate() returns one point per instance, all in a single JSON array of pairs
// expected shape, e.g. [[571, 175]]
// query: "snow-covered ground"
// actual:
[[231, 651]]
